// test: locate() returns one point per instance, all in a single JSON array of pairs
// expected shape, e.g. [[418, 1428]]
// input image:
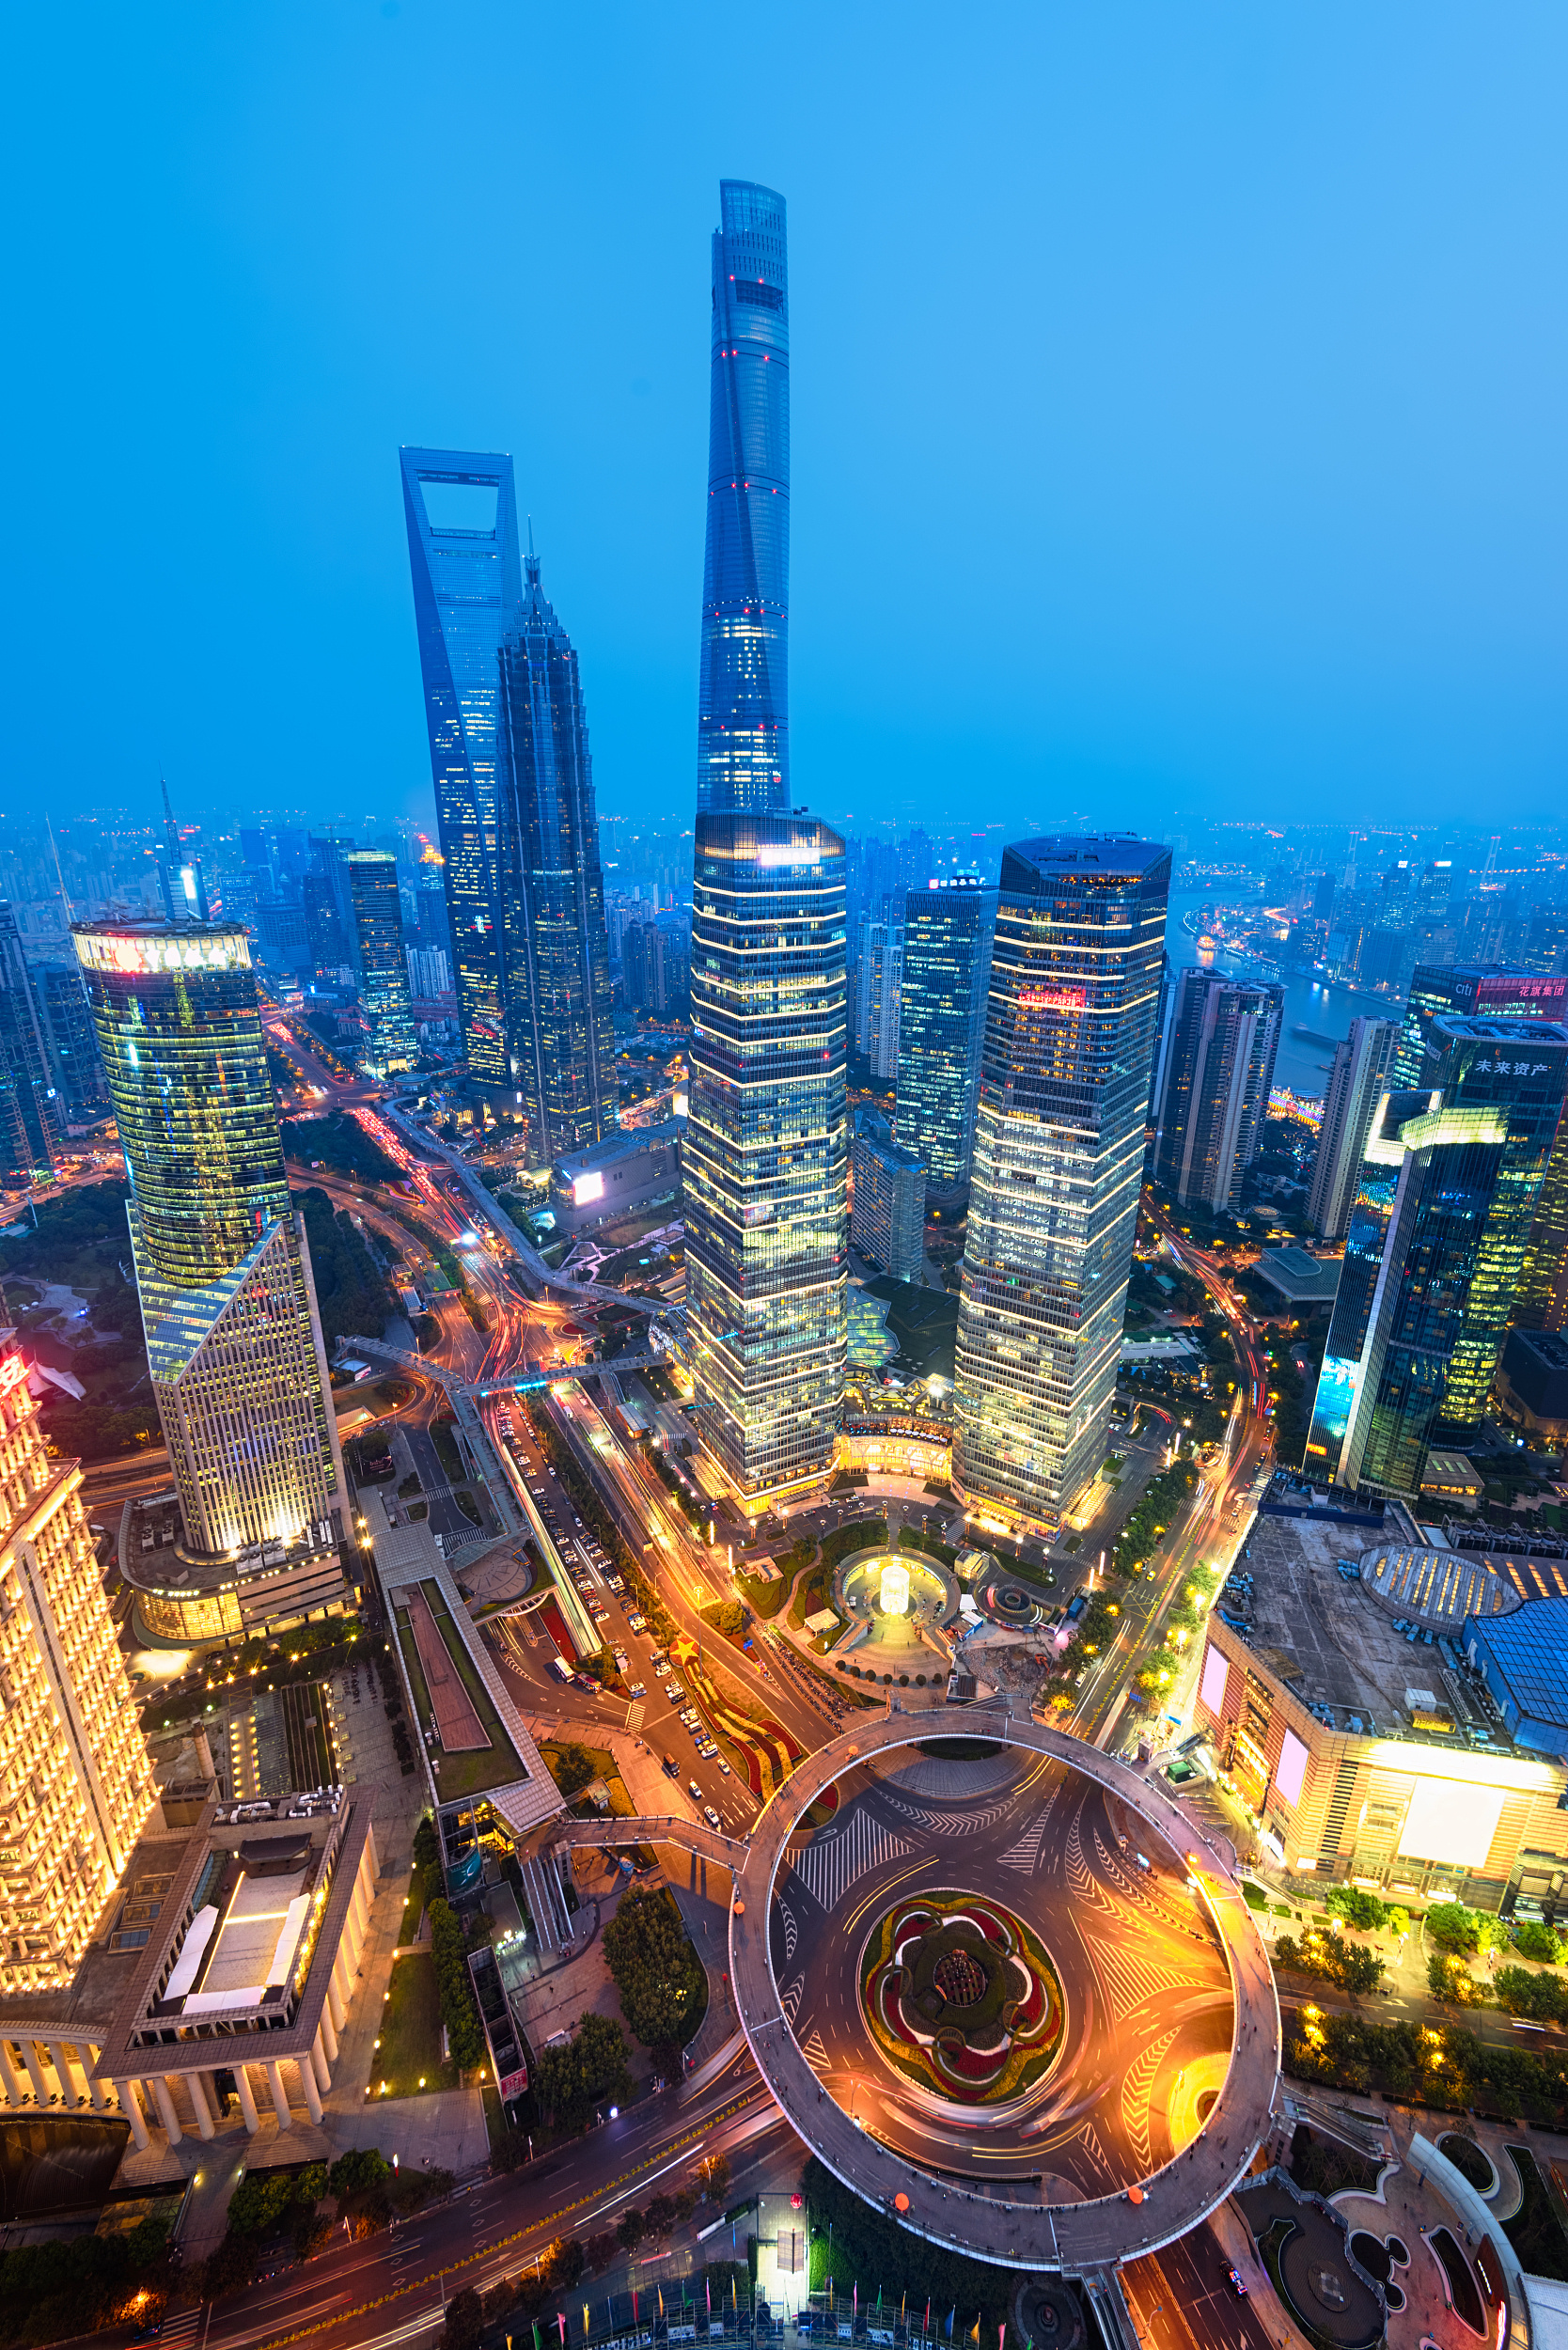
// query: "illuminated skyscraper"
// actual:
[[229, 1304], [75, 1775], [380, 963], [1356, 1083], [946, 971], [743, 722], [561, 1033], [462, 545], [1466, 1169], [1219, 1069], [765, 1154], [1057, 1165]]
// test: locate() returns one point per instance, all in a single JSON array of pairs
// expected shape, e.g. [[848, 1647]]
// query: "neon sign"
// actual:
[[12, 1372], [1052, 998]]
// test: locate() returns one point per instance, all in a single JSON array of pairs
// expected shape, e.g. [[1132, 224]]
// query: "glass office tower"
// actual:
[[946, 971], [1469, 1171], [381, 966], [229, 1304], [764, 1156], [1356, 1083], [560, 1035], [1484, 990], [1058, 1167], [743, 721], [461, 518], [1368, 1217]]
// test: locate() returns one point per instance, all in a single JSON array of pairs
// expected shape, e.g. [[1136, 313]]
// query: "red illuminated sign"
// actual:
[[1052, 998], [12, 1370]]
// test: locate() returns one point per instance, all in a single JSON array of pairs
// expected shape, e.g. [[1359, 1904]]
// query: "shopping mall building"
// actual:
[[1394, 1713]]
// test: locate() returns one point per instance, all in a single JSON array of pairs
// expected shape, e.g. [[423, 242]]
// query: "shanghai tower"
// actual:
[[764, 1161], [743, 723]]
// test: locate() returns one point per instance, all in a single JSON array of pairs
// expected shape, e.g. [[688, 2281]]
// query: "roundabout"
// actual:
[[1004, 1990]]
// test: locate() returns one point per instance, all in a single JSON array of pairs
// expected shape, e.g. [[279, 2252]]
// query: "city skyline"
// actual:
[[1290, 518]]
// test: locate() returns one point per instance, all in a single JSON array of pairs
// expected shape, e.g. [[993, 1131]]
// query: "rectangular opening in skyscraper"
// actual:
[[468, 506]]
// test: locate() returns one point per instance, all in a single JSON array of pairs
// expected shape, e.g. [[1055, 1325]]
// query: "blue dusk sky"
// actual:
[[1177, 394]]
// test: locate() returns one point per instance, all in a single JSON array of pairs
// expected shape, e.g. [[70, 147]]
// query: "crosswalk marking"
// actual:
[[1025, 1855], [829, 1865], [790, 1999], [813, 2051], [181, 2328]]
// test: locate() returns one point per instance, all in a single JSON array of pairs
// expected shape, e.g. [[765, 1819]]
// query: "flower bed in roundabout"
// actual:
[[961, 1998]]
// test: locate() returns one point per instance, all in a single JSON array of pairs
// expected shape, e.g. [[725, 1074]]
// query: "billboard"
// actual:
[[1291, 1769], [585, 1188], [1212, 1689], [1453, 1822]]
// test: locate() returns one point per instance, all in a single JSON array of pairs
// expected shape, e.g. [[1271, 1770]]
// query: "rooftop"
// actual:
[[1357, 1634], [1301, 1279], [623, 1144]]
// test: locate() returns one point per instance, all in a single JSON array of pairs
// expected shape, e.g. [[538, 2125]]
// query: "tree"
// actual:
[[713, 2176], [653, 1966], [589, 2071], [630, 2232], [660, 2216], [464, 2031], [1358, 1907], [1453, 1927], [1536, 1939], [1449, 1977], [1521, 1991], [357, 2171], [600, 2251], [573, 1769], [465, 2321], [563, 2264]]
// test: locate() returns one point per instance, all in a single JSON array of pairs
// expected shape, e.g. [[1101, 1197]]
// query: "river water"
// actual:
[[1302, 1064]]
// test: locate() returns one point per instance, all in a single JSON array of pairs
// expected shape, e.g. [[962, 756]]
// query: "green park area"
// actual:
[[476, 1770]]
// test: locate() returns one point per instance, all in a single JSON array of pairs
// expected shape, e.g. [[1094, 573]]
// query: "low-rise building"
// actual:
[[1531, 1385], [187, 1598], [638, 1167], [1449, 1477], [1345, 1687], [1300, 1279], [224, 1963]]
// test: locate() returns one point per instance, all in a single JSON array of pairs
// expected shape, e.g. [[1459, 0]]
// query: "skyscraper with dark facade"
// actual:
[[946, 970], [1465, 1169], [31, 1118], [1057, 1165], [742, 720], [462, 517], [559, 1032], [379, 964]]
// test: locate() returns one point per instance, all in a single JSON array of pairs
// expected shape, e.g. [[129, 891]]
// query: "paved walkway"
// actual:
[[1075, 2236]]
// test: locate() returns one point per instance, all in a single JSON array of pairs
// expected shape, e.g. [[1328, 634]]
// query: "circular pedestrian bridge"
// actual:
[[1002, 1989]]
